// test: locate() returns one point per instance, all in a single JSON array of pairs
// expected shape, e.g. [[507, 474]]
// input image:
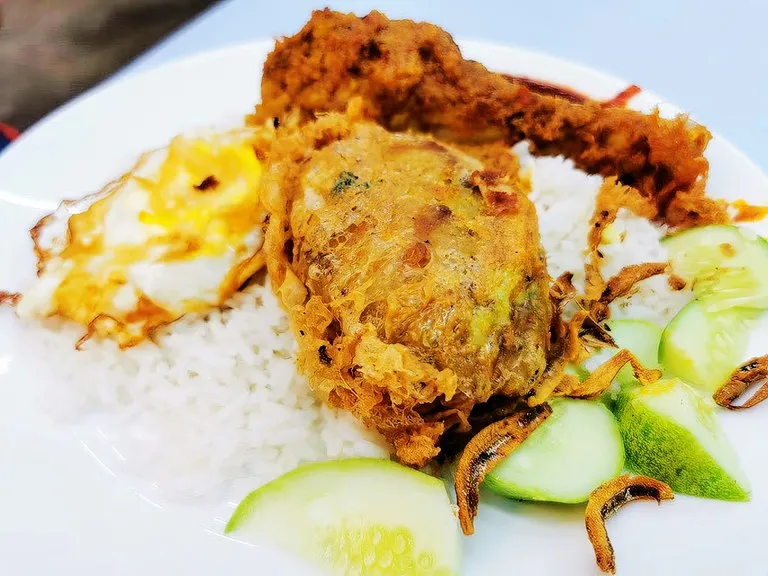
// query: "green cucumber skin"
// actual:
[[531, 495], [685, 480], [349, 465], [358, 515]]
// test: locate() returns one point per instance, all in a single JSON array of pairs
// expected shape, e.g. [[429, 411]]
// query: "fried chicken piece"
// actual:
[[412, 76], [414, 279]]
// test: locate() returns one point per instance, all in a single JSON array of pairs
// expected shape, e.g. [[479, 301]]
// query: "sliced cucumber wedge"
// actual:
[[703, 347], [577, 370], [574, 451], [639, 337], [672, 434], [357, 516], [726, 265]]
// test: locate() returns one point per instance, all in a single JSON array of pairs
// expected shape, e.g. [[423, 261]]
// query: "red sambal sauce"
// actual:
[[571, 95]]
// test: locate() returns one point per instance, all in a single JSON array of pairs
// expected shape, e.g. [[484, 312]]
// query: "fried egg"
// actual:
[[179, 233]]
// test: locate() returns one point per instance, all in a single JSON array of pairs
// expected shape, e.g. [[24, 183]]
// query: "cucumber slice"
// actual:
[[574, 451], [577, 370], [703, 347], [727, 265], [672, 434], [356, 516], [639, 337]]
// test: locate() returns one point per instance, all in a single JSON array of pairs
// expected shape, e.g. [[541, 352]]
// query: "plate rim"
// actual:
[[253, 46]]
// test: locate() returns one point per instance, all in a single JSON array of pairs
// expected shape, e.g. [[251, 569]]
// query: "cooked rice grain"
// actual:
[[565, 200], [217, 409]]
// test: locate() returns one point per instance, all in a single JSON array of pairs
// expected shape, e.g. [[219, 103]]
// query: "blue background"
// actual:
[[707, 57]]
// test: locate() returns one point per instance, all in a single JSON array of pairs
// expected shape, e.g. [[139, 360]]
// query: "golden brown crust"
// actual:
[[413, 277], [611, 197], [413, 76]]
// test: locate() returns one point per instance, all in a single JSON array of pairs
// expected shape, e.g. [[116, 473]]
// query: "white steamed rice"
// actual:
[[218, 408], [565, 201]]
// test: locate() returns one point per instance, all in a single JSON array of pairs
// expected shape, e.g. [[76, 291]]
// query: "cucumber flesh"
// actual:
[[574, 451], [639, 337], [672, 434], [356, 516], [577, 370], [727, 266], [703, 347]]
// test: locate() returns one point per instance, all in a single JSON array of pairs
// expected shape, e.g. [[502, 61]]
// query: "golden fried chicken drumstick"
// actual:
[[413, 76], [415, 281]]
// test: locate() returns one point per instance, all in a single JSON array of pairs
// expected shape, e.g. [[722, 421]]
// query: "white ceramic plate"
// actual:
[[63, 513]]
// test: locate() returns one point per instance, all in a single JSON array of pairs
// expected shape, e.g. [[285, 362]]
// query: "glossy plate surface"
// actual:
[[60, 511]]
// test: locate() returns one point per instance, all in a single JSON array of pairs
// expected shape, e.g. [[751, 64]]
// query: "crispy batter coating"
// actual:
[[413, 76], [414, 279]]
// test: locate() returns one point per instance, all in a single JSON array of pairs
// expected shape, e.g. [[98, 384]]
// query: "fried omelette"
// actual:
[[414, 278], [412, 76]]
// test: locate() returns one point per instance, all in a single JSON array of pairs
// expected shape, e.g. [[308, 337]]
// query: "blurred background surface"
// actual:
[[51, 50], [704, 56]]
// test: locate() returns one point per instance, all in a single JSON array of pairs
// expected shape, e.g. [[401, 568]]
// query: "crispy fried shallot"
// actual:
[[562, 289], [566, 346], [608, 498], [601, 378], [621, 284], [594, 284], [598, 293], [751, 372], [489, 447], [611, 197], [593, 335], [11, 298]]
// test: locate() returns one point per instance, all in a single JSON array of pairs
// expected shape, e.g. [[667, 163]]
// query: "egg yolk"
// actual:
[[178, 234]]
